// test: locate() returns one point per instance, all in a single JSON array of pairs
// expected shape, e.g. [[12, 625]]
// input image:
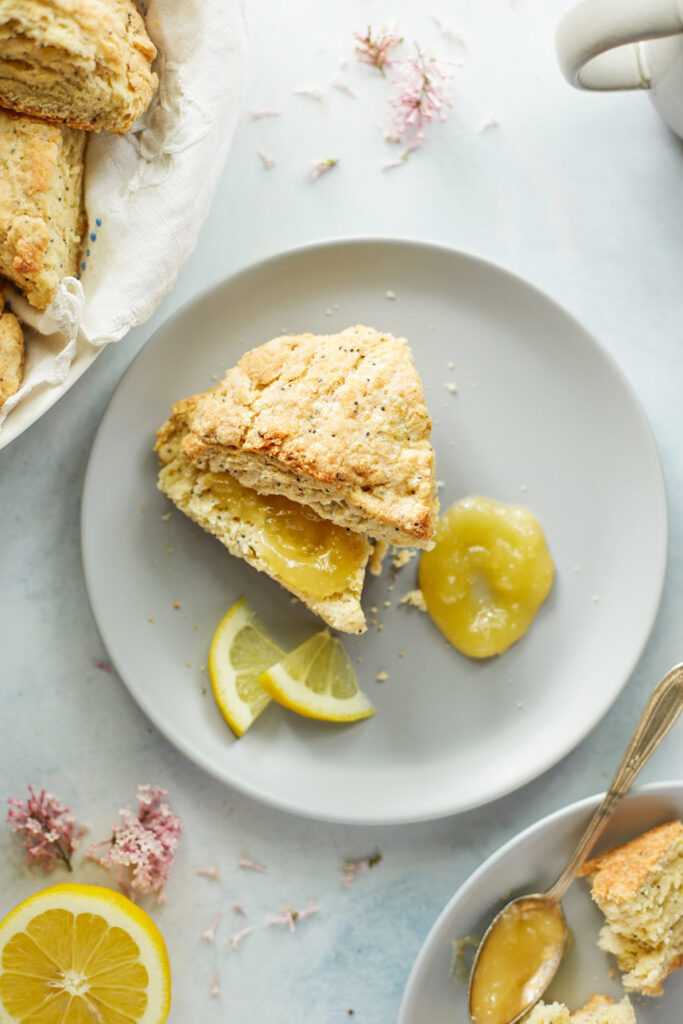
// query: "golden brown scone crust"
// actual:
[[42, 217], [11, 356], [186, 485], [337, 422], [618, 873], [84, 63]]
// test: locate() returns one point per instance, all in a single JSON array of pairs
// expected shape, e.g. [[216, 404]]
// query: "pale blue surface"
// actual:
[[581, 194]]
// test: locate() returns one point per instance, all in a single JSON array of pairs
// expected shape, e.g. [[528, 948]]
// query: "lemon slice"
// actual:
[[240, 651], [317, 680], [80, 954]]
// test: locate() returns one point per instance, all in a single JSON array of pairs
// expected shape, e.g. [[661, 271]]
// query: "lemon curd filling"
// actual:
[[520, 949], [306, 552], [486, 576]]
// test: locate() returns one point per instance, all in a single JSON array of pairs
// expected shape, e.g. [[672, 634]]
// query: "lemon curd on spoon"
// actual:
[[522, 947], [486, 576]]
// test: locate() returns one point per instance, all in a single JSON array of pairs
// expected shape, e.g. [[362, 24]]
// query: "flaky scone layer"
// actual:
[[85, 63], [336, 422], [42, 216], [11, 355], [187, 486]]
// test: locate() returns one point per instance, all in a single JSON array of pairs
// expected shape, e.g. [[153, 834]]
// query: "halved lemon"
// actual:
[[241, 650], [82, 954], [317, 680]]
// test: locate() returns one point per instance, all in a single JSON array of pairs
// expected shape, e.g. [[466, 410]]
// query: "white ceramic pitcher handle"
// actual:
[[598, 41]]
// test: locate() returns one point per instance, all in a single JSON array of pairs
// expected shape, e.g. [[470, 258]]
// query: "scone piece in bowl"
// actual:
[[85, 63], [11, 355], [42, 216], [639, 888], [308, 448], [598, 1010]]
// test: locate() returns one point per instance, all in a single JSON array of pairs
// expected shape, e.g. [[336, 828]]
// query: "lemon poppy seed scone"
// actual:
[[308, 448], [639, 888], [598, 1010], [336, 422], [42, 216], [320, 563], [85, 63], [11, 356]]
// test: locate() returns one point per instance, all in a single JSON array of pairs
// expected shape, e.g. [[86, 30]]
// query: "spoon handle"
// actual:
[[661, 711]]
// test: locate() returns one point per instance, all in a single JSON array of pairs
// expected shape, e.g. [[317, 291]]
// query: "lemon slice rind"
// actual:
[[235, 666]]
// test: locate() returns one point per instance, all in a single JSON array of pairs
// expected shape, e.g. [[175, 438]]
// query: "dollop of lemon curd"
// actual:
[[518, 958], [311, 554], [487, 575]]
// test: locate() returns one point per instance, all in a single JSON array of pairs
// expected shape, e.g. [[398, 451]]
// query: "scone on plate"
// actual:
[[85, 63], [598, 1010], [42, 217], [639, 888], [11, 355], [308, 448]]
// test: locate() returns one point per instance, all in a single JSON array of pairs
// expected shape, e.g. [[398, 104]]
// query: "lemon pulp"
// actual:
[[306, 552], [522, 945], [486, 576]]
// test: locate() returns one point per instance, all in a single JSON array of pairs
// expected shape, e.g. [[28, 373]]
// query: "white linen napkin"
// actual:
[[148, 192]]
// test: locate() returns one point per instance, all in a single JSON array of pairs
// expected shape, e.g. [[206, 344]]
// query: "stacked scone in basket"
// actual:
[[67, 68]]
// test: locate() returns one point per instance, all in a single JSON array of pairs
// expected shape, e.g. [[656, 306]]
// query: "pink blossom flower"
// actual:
[[216, 986], [322, 167], [208, 873], [210, 933], [377, 51], [421, 96], [50, 833], [144, 843]]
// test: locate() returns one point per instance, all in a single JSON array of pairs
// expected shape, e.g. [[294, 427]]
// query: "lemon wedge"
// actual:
[[241, 650], [79, 954], [317, 680]]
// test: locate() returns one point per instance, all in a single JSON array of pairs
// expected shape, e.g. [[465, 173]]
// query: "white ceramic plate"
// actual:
[[542, 416], [530, 863]]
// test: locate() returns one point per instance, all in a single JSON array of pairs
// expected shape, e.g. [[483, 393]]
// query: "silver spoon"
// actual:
[[661, 711]]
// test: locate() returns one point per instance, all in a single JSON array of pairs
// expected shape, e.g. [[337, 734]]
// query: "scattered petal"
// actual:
[[352, 868], [258, 112], [322, 167], [251, 865], [210, 933], [339, 83], [104, 666], [239, 909], [208, 873], [490, 122], [268, 161], [313, 92], [216, 987], [236, 939]]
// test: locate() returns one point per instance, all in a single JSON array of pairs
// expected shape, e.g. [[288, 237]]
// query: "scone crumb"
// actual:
[[382, 676], [166, 517], [415, 599], [451, 386], [401, 556], [176, 605], [401, 654], [390, 295], [150, 618]]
